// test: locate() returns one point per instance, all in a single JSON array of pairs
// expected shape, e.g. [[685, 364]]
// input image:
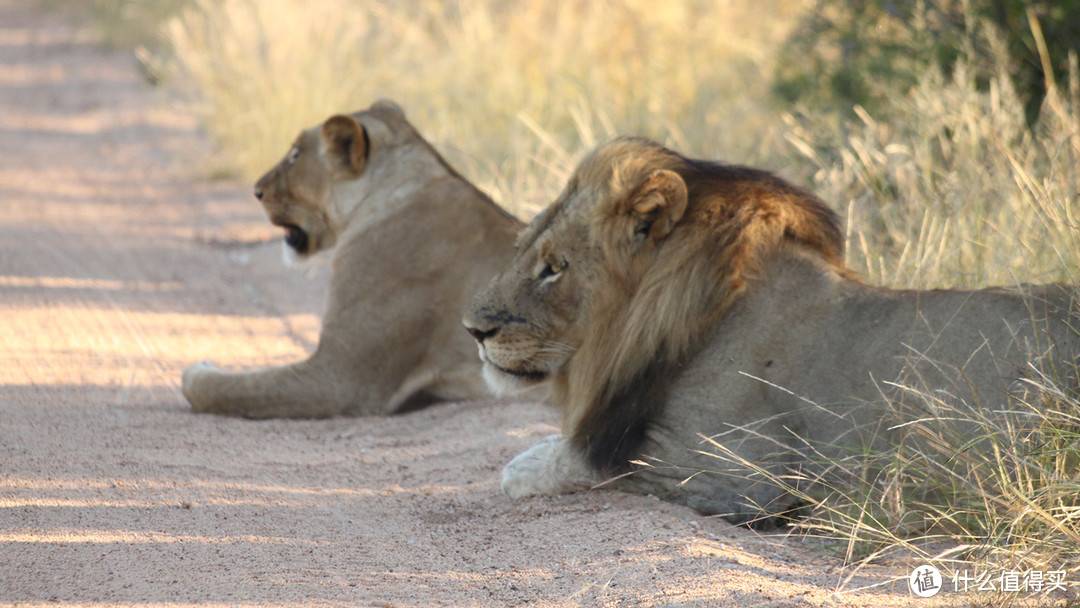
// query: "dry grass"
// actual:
[[954, 189], [960, 487], [512, 91]]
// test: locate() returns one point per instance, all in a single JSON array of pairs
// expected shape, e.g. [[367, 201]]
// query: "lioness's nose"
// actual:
[[258, 193], [481, 334]]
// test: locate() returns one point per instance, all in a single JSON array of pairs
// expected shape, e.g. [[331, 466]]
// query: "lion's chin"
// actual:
[[505, 383]]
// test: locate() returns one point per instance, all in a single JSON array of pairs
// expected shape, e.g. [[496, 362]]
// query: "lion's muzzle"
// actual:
[[481, 334]]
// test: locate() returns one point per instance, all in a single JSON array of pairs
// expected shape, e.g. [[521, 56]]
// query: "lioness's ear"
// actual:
[[657, 204], [346, 143], [388, 104]]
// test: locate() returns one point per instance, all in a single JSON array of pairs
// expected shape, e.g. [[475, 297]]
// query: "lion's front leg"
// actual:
[[552, 466]]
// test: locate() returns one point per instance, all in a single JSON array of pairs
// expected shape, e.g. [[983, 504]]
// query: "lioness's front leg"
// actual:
[[307, 389], [552, 466]]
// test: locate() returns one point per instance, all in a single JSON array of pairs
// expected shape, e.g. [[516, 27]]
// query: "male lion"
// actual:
[[411, 241], [667, 297]]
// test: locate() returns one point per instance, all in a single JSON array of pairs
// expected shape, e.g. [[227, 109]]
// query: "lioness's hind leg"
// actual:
[[552, 466]]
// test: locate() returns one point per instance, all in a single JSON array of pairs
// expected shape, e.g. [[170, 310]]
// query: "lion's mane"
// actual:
[[650, 314]]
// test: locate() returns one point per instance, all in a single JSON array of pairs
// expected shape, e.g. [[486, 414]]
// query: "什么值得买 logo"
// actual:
[[925, 581]]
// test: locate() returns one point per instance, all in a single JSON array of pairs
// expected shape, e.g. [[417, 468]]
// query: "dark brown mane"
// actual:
[[644, 328]]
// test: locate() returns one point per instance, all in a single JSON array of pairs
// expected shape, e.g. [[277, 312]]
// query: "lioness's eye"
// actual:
[[294, 153]]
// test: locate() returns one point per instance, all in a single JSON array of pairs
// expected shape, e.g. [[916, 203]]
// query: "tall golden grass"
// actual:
[[953, 188], [511, 91]]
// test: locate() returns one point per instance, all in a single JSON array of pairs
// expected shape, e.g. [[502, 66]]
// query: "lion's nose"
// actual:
[[258, 193], [481, 334]]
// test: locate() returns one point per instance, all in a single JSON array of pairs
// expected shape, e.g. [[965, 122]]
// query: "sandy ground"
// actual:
[[120, 265]]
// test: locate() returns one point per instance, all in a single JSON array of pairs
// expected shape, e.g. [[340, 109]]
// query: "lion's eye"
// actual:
[[552, 268], [294, 154]]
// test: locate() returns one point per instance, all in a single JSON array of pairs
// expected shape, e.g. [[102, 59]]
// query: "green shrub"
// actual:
[[865, 52]]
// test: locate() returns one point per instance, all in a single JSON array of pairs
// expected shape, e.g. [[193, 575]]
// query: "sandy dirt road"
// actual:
[[120, 265]]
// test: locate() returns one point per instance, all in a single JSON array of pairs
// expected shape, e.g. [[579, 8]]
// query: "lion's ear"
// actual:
[[346, 143], [657, 204]]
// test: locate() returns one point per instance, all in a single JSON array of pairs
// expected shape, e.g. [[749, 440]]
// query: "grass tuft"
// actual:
[[955, 485]]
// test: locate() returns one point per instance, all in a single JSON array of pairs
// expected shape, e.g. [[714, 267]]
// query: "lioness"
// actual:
[[666, 297], [412, 240]]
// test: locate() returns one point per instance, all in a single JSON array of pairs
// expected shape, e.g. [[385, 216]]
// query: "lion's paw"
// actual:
[[549, 467]]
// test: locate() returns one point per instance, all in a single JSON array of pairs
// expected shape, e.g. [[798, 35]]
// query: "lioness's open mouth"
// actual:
[[295, 237]]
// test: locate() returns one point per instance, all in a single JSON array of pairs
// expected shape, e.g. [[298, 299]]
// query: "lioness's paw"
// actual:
[[196, 370], [191, 380], [549, 467]]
